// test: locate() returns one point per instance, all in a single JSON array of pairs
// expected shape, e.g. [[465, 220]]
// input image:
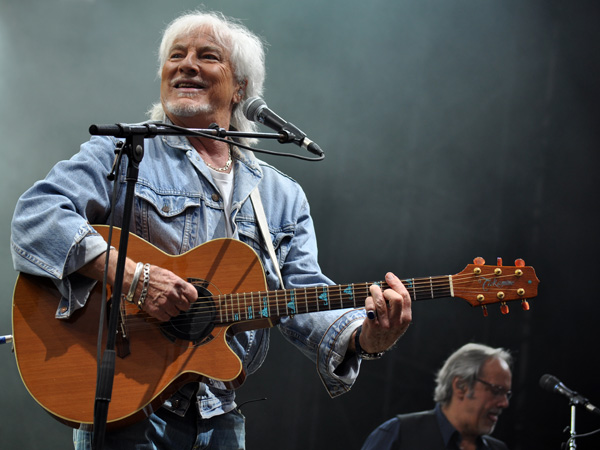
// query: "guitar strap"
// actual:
[[264, 229]]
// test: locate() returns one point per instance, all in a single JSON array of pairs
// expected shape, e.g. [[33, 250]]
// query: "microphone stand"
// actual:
[[570, 444], [134, 149]]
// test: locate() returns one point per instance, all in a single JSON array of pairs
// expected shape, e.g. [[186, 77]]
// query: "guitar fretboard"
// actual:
[[288, 302]]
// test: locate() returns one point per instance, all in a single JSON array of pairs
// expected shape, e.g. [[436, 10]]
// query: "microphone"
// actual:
[[553, 384], [256, 110]]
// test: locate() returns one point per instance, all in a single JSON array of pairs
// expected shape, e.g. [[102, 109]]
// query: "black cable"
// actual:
[[258, 150]]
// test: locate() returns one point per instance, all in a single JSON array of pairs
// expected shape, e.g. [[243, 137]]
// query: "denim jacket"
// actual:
[[178, 207]]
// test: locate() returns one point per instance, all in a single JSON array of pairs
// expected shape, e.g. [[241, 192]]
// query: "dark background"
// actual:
[[452, 129]]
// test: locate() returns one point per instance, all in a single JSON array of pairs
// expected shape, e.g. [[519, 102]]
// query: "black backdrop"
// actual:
[[451, 130]]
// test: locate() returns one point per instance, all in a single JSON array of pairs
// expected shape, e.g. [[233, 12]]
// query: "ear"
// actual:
[[459, 388], [239, 94]]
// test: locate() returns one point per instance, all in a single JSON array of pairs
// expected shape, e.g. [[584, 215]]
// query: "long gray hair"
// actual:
[[465, 363], [247, 58]]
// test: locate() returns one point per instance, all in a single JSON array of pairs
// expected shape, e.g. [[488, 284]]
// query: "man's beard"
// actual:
[[187, 109]]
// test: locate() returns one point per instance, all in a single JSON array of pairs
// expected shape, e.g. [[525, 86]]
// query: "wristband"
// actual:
[[134, 282], [360, 352], [144, 293]]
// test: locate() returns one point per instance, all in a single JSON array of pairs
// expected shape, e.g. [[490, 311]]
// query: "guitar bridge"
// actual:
[[122, 340]]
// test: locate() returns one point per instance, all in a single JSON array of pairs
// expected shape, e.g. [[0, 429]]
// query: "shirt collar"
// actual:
[[447, 429], [450, 435]]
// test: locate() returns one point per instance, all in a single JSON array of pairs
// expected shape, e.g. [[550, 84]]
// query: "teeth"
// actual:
[[188, 85]]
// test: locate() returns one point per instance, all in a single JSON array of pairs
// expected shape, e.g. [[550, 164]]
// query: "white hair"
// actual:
[[247, 57]]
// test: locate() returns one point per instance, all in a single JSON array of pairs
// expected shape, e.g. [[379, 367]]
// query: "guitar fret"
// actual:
[[245, 311], [349, 291], [220, 309], [276, 303], [264, 305], [323, 298], [306, 300], [223, 307], [340, 297], [291, 303], [410, 284], [251, 307]]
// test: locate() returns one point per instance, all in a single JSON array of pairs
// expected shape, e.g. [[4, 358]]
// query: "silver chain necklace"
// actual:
[[225, 168]]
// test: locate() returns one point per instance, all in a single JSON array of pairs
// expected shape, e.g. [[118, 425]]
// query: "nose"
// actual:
[[503, 400], [188, 65]]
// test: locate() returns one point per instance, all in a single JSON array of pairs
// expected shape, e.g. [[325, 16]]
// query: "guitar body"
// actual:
[[57, 358]]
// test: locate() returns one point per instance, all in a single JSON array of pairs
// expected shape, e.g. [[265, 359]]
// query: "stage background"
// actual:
[[452, 129]]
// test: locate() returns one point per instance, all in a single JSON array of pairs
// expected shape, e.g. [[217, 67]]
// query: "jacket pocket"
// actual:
[[165, 219]]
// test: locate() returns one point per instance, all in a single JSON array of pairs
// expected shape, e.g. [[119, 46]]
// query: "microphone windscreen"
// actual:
[[252, 106], [548, 382]]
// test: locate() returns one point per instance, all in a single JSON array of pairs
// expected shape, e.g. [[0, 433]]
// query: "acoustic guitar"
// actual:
[[57, 358]]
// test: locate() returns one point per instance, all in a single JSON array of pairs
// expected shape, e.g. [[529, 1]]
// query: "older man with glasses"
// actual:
[[472, 388]]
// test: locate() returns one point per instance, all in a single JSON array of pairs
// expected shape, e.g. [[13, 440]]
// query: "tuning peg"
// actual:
[[479, 261], [499, 262], [485, 311], [504, 308], [525, 305], [519, 262]]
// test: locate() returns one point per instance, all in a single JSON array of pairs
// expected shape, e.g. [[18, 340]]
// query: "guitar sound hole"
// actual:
[[196, 323]]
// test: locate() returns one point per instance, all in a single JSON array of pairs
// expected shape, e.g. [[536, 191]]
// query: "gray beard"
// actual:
[[187, 110]]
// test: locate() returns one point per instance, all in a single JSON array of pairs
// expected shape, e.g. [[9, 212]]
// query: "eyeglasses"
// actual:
[[498, 391]]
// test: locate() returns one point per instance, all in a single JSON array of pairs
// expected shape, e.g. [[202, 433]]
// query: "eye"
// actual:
[[210, 56]]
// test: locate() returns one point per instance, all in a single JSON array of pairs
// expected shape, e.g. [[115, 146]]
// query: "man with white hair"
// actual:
[[191, 190], [473, 387]]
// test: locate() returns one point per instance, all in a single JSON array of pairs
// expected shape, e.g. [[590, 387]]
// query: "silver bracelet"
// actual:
[[134, 282], [359, 350], [144, 293]]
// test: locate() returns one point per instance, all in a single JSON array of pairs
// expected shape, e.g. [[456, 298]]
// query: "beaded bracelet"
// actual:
[[144, 293], [360, 352], [134, 282]]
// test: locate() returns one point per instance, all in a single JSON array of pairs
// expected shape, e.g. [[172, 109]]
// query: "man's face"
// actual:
[[485, 402], [197, 81]]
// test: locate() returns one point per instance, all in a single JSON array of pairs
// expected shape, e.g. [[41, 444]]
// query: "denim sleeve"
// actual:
[[321, 336], [51, 234]]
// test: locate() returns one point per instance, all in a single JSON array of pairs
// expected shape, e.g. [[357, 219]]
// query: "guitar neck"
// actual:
[[288, 302]]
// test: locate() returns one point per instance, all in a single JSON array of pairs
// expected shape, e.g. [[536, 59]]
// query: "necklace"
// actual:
[[225, 168]]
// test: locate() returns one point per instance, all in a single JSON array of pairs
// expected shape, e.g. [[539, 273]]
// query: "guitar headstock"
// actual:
[[481, 284]]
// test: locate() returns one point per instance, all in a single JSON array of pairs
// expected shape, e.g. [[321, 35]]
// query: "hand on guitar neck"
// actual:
[[389, 315]]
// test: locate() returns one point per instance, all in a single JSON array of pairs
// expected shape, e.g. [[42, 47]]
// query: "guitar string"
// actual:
[[226, 300], [360, 289], [438, 285]]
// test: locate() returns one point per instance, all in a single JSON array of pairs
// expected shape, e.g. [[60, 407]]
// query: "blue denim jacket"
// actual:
[[177, 207]]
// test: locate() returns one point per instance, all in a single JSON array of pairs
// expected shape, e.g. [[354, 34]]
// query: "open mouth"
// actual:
[[493, 416], [187, 85]]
